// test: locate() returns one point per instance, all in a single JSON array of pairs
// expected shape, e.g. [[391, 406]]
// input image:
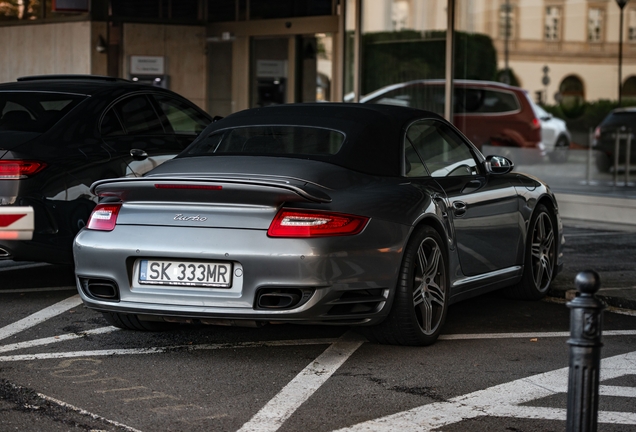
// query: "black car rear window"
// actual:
[[34, 111], [625, 118], [270, 140]]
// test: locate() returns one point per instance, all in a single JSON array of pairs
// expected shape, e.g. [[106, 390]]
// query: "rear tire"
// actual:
[[603, 163], [421, 297], [132, 322], [539, 265]]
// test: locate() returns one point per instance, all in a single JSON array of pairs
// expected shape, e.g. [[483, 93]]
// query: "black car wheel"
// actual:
[[604, 162], [421, 296], [540, 257]]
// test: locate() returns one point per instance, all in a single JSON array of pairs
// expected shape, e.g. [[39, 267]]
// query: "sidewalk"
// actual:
[[595, 217]]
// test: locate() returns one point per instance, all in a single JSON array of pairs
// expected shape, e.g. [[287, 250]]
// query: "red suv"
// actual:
[[488, 113]]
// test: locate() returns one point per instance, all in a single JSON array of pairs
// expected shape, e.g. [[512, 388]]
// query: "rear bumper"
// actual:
[[350, 279]]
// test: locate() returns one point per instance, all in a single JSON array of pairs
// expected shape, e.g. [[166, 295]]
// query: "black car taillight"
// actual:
[[18, 169], [104, 217], [304, 223], [597, 133]]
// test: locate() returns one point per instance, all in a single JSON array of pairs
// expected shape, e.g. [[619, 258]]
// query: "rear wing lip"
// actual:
[[306, 190]]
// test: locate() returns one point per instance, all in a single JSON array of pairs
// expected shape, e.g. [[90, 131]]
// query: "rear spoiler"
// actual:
[[122, 188]]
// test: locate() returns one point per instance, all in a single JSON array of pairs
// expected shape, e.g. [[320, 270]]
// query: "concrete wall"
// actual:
[[183, 48], [60, 48]]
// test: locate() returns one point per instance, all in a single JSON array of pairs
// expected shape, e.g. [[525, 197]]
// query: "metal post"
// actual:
[[357, 54], [621, 5], [450, 60], [588, 171], [585, 354], [507, 35], [628, 156], [616, 149]]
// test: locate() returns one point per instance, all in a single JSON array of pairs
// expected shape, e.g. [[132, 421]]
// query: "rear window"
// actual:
[[270, 140], [625, 118], [33, 111]]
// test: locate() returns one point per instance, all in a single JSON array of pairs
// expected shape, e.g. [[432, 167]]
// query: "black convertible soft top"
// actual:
[[373, 133]]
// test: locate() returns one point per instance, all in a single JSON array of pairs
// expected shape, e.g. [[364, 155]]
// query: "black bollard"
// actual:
[[585, 354]]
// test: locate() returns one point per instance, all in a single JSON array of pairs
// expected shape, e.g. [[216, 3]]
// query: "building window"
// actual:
[[506, 21], [553, 23], [595, 25], [631, 25], [399, 14]]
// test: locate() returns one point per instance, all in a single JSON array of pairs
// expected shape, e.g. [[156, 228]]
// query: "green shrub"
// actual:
[[590, 114]]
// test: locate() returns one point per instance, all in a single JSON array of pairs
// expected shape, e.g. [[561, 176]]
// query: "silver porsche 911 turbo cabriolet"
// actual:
[[369, 215]]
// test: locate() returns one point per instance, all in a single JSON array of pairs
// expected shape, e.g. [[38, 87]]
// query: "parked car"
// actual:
[[488, 113], [622, 121], [59, 134], [555, 135], [369, 215]]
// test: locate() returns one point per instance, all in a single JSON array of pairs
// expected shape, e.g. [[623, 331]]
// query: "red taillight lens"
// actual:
[[301, 223], [187, 186], [535, 124], [104, 217], [20, 168], [597, 133]]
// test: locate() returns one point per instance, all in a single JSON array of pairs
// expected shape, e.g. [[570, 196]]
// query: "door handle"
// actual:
[[459, 208]]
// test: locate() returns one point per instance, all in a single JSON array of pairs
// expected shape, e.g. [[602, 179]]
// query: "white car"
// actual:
[[554, 135]]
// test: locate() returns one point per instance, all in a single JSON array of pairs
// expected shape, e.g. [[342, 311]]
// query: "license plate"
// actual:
[[186, 273]]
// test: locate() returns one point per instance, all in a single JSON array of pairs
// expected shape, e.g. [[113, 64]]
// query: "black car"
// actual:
[[623, 122], [59, 134]]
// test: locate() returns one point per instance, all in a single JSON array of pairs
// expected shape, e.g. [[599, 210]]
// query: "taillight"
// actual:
[[303, 223], [535, 124], [16, 169], [597, 133], [104, 217]]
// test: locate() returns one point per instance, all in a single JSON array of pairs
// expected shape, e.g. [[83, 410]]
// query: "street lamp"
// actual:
[[621, 4]]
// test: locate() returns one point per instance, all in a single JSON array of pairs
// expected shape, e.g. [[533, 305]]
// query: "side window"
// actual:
[[482, 101], [137, 116], [183, 118], [439, 149], [111, 126]]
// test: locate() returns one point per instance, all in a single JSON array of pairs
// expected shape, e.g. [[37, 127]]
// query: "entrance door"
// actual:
[[290, 69]]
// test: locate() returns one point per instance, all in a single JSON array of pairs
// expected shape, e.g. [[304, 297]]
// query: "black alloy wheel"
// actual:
[[540, 257], [421, 297]]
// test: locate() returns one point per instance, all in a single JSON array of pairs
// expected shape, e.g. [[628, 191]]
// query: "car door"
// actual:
[[483, 209]]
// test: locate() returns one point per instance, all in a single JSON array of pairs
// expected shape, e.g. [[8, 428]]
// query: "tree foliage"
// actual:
[[394, 57]]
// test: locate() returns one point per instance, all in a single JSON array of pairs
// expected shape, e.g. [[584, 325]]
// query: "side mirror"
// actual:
[[138, 154], [498, 165]]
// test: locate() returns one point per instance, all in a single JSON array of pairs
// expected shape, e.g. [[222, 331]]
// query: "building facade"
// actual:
[[228, 55]]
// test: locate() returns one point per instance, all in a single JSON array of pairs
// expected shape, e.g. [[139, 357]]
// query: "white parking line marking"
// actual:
[[528, 335], [41, 316], [294, 394], [504, 400], [82, 411], [155, 350], [55, 339], [29, 290]]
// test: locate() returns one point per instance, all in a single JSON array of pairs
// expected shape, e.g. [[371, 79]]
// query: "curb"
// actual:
[[607, 300]]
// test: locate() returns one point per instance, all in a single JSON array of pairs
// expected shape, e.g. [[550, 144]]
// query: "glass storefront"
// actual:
[[541, 76]]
